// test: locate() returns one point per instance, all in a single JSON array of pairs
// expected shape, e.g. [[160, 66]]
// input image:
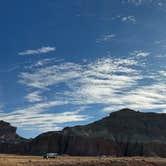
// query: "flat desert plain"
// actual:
[[15, 160]]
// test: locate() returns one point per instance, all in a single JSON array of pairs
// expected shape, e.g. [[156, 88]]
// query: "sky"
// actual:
[[66, 63]]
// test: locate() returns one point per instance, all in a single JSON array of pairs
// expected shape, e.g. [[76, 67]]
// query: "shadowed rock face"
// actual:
[[123, 133], [10, 141], [8, 133], [125, 126], [72, 145]]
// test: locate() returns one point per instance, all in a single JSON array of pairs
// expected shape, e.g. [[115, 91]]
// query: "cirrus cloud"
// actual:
[[112, 83], [42, 50]]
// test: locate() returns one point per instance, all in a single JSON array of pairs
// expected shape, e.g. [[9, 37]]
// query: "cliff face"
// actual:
[[10, 141], [123, 133], [72, 145], [125, 126], [8, 133]]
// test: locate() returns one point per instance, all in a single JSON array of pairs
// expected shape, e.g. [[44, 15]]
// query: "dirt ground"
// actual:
[[14, 160]]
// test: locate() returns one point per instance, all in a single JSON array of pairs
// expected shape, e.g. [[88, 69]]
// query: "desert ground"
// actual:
[[15, 160]]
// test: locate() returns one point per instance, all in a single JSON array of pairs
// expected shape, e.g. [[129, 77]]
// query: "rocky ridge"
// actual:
[[122, 133]]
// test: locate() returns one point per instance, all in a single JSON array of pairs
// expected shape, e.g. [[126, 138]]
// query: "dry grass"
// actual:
[[14, 160]]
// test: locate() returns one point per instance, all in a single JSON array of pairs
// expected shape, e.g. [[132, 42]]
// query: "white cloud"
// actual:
[[39, 119], [50, 75], [140, 53], [162, 73], [42, 50], [114, 83], [91, 83], [34, 96], [129, 19]]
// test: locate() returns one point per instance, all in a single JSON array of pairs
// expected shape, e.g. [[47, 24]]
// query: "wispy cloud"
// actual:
[[36, 117], [113, 83], [105, 38], [50, 75], [140, 53], [129, 19], [142, 98], [42, 50], [34, 96], [162, 73]]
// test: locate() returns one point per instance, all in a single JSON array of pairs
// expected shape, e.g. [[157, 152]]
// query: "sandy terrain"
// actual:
[[14, 160]]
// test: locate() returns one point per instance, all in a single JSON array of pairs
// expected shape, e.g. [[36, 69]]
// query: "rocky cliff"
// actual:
[[122, 133], [8, 133], [72, 145], [125, 126]]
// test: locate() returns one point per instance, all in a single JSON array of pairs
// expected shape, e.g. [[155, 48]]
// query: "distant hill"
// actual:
[[122, 133]]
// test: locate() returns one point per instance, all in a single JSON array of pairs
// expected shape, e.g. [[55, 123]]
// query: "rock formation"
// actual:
[[8, 133], [122, 133]]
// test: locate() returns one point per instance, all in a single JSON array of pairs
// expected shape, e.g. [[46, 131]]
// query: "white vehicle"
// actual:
[[50, 155]]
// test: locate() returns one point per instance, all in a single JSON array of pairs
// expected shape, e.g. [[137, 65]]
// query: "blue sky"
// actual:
[[65, 63]]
